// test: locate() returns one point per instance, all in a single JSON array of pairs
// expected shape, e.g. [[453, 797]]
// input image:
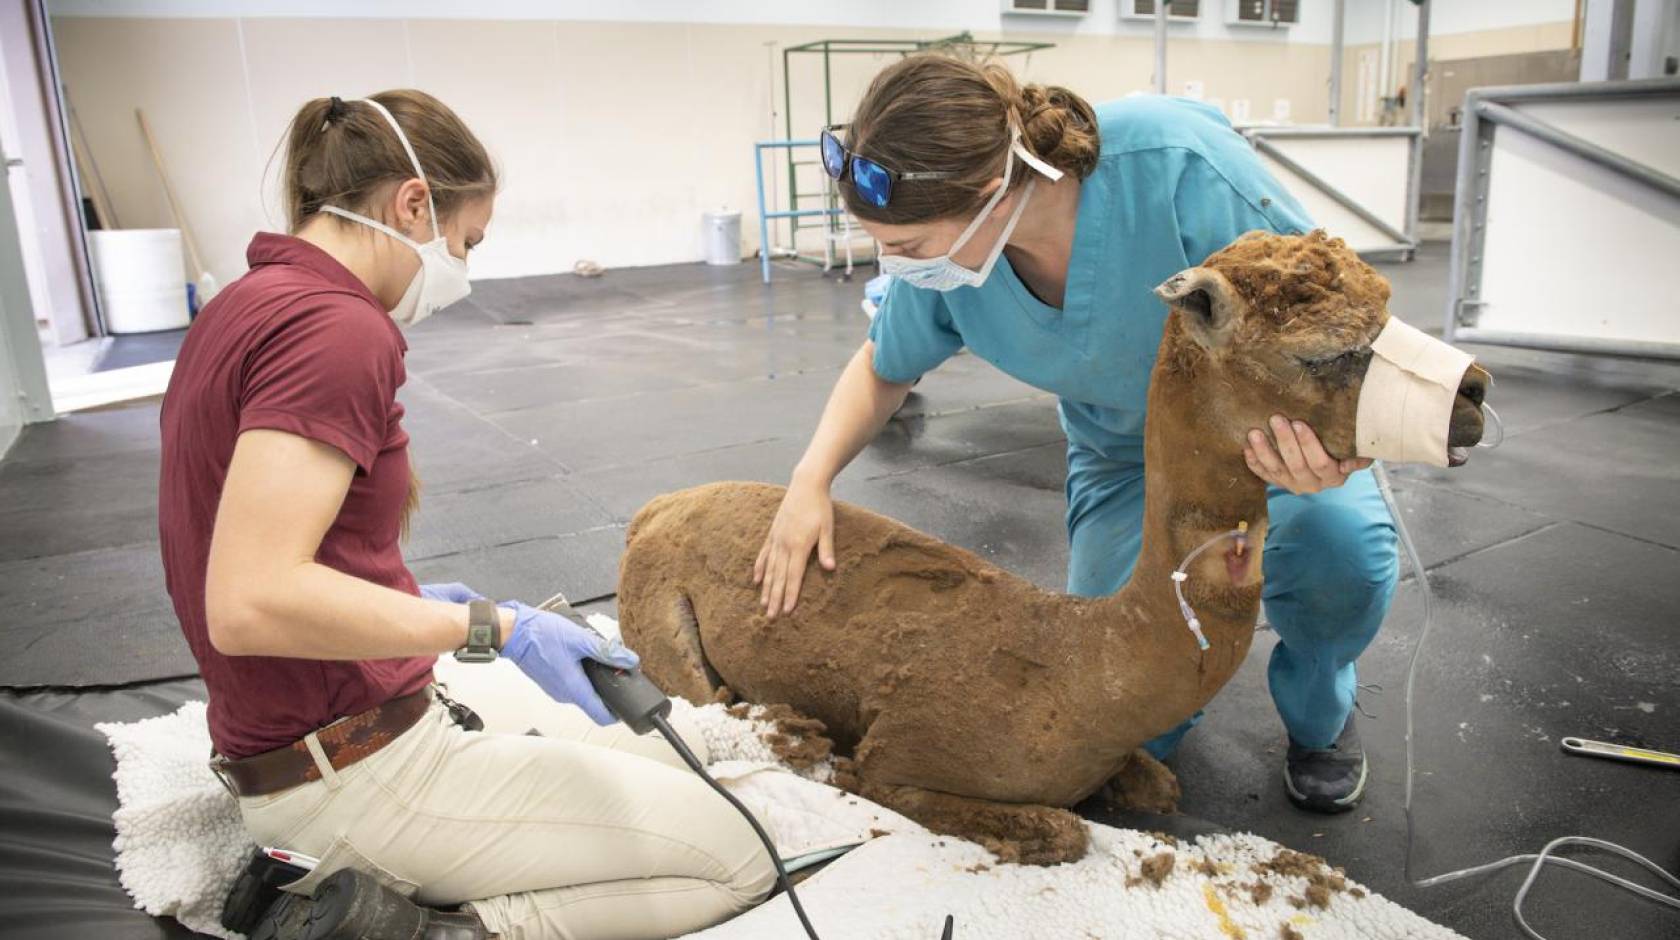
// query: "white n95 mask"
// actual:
[[442, 278], [943, 273], [1406, 401]]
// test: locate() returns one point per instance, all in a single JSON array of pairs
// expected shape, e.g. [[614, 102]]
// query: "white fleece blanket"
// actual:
[[180, 842], [902, 886]]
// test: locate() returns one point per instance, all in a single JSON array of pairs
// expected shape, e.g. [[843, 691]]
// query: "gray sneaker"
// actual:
[[1327, 780]]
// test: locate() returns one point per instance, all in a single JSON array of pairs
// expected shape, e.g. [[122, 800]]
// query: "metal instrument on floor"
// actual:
[[1622, 752]]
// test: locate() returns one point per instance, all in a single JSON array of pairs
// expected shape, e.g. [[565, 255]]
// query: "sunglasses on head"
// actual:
[[872, 181]]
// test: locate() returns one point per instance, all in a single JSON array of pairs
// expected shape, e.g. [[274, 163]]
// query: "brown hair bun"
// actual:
[[1059, 127]]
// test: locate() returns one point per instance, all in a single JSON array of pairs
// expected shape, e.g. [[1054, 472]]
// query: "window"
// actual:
[[1268, 12], [1176, 9], [1048, 7]]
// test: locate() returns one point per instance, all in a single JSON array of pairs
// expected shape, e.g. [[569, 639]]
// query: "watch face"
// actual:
[[485, 655]]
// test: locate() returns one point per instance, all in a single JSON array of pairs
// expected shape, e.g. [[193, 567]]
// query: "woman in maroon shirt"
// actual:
[[285, 490]]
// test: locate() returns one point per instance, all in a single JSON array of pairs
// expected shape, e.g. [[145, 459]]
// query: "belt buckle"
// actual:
[[216, 763]]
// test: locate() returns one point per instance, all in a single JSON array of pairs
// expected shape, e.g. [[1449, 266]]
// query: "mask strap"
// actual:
[[1016, 148], [1027, 157], [1008, 229], [997, 197], [381, 226], [403, 139], [1020, 207]]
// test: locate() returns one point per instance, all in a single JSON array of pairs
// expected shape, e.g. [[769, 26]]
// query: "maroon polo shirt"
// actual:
[[300, 345]]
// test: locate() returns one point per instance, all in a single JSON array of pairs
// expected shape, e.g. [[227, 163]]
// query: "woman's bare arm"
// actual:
[[266, 595]]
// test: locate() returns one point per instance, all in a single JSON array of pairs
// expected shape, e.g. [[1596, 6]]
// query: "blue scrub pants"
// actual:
[[1331, 567]]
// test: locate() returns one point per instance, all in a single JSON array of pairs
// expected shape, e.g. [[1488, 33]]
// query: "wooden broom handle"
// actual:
[[169, 191]]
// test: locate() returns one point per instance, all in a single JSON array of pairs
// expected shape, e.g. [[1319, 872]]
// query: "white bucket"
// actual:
[[140, 278], [723, 236]]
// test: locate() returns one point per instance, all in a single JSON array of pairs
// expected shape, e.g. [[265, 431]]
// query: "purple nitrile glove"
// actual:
[[452, 593], [551, 649]]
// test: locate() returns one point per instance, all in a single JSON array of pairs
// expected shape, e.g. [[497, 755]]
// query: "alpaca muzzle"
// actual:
[[1406, 401]]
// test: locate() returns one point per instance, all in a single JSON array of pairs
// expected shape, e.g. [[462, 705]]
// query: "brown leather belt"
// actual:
[[344, 742]]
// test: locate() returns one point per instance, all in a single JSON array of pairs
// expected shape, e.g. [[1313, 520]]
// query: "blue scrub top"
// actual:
[[1173, 184]]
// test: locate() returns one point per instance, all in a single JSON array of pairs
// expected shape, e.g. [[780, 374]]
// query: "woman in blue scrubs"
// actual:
[[1031, 228]]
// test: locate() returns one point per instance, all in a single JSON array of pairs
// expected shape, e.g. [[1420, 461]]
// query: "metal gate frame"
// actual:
[[1405, 238], [1486, 110], [828, 198]]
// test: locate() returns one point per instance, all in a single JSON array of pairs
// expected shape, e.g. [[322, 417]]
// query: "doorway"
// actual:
[[99, 345]]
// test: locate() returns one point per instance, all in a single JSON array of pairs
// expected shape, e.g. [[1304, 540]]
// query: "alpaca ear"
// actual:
[[1206, 302]]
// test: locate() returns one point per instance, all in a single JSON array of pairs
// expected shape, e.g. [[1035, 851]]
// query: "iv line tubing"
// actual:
[[1181, 574]]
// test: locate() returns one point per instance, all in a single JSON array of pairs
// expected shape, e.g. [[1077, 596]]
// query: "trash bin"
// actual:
[[139, 275], [722, 236]]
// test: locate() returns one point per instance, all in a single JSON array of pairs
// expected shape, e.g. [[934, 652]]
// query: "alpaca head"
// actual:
[[1285, 324]]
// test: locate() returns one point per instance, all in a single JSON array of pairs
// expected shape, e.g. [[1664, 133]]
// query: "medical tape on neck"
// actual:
[[1406, 401]]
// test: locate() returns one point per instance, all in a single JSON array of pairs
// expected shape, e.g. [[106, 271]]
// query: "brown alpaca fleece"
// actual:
[[968, 698]]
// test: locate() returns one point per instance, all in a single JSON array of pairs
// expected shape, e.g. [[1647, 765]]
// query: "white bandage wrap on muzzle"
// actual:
[[1406, 403]]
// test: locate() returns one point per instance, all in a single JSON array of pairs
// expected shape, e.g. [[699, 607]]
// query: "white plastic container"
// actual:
[[141, 280], [722, 236]]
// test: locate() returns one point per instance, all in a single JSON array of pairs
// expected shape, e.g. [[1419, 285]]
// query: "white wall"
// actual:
[[1363, 23], [951, 15], [1457, 30], [613, 137], [616, 124], [1453, 17]]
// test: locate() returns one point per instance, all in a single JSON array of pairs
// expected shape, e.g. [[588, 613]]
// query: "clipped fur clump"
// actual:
[[1322, 880], [1308, 279], [799, 740], [1154, 869]]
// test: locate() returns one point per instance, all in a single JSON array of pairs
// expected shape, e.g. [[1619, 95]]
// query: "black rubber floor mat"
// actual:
[[139, 349], [56, 800], [97, 618]]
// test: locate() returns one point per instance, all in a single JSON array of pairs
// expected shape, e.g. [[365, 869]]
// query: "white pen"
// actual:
[[298, 859]]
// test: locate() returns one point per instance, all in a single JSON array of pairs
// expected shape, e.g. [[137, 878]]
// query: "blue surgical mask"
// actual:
[[944, 273]]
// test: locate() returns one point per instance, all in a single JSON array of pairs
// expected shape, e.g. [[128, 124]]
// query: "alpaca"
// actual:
[[971, 700]]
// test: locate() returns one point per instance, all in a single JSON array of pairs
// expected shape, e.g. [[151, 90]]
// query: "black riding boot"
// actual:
[[352, 905]]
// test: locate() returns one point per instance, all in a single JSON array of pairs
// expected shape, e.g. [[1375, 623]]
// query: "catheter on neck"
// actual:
[[1181, 574]]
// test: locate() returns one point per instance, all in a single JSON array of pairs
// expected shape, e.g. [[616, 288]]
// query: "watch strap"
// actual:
[[484, 632]]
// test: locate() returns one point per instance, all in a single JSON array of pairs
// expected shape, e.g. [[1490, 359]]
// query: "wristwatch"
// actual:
[[484, 633]]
